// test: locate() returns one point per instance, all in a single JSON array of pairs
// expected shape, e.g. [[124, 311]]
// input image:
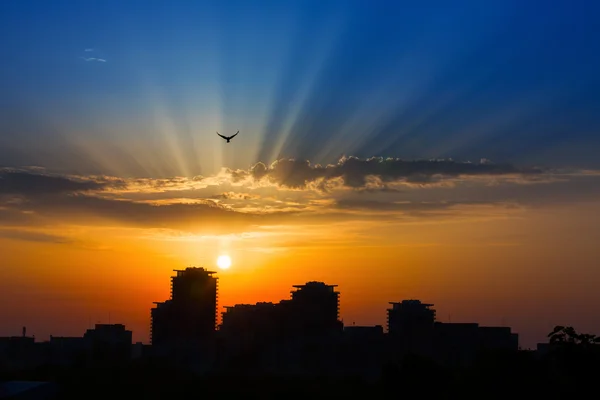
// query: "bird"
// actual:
[[228, 138]]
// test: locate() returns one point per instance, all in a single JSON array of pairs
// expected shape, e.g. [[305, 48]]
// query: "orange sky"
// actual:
[[514, 252]]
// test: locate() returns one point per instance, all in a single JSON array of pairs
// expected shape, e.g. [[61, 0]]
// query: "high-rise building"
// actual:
[[295, 334], [411, 326], [312, 309], [191, 313], [249, 318], [409, 315], [315, 307]]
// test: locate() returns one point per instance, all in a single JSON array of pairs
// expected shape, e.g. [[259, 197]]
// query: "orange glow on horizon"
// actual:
[[60, 288]]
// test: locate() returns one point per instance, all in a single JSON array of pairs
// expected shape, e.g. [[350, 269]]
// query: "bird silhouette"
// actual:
[[228, 138]]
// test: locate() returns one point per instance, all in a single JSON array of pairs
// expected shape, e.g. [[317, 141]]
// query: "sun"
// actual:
[[224, 262]]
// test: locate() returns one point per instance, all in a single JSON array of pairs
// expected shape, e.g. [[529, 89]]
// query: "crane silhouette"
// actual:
[[228, 138]]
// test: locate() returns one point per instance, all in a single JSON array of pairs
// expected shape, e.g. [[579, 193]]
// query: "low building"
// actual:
[[109, 343]]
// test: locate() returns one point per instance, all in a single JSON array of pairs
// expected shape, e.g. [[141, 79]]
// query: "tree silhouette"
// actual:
[[562, 335]]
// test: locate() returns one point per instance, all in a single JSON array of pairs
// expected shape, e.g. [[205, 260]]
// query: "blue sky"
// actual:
[[510, 81]]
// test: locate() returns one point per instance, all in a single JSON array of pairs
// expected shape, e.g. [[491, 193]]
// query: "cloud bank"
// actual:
[[358, 173], [285, 192]]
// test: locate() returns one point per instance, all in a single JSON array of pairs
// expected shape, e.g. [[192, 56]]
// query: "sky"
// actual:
[[441, 151]]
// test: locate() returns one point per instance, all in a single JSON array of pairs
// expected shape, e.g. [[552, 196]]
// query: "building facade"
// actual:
[[190, 315]]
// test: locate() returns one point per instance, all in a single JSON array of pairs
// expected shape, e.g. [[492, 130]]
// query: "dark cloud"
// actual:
[[410, 207], [355, 171], [235, 196], [32, 184], [93, 209], [33, 198], [30, 196]]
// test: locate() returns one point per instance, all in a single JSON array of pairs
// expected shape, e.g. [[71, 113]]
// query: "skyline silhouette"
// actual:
[[193, 310], [296, 343], [187, 324]]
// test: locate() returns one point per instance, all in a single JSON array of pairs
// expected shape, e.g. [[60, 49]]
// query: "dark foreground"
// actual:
[[555, 376]]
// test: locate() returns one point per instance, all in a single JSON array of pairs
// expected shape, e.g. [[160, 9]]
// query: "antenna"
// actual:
[[109, 317]]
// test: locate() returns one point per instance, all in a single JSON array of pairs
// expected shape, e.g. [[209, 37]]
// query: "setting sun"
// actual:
[[224, 262]]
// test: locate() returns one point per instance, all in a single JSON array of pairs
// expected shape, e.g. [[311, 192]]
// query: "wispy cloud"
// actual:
[[32, 236], [97, 56], [93, 59]]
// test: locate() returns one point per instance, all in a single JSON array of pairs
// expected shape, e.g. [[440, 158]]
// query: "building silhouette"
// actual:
[[108, 343], [284, 336], [458, 344], [250, 320], [411, 327], [301, 335], [17, 352], [409, 315], [315, 308], [190, 315]]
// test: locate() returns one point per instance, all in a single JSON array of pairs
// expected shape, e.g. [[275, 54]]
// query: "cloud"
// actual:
[[33, 183], [98, 55], [135, 212], [235, 196], [28, 195], [232, 200], [93, 59], [375, 172], [405, 206], [32, 236], [94, 210]]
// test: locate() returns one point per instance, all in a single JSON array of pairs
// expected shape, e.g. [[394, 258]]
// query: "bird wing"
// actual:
[[231, 137], [224, 137]]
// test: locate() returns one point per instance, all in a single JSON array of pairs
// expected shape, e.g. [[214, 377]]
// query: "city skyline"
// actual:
[[189, 318], [183, 289], [439, 152]]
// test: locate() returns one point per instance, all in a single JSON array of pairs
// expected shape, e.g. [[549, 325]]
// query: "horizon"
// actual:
[[221, 309], [446, 153]]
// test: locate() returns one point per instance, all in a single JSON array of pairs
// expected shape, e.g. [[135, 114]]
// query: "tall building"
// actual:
[[411, 326], [243, 319], [312, 309], [409, 314], [190, 315], [315, 307], [297, 334]]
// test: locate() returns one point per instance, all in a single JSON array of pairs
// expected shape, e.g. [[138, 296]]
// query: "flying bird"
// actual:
[[228, 138]]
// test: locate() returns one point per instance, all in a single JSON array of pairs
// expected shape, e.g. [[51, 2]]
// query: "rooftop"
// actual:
[[410, 303], [314, 284], [193, 270]]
